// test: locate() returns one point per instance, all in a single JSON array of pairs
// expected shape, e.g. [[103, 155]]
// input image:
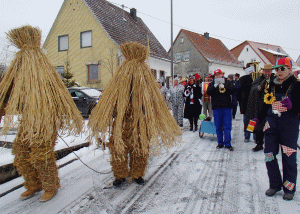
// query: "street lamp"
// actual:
[[172, 42]]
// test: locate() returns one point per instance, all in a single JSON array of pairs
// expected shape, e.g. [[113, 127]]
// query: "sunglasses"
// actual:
[[280, 68]]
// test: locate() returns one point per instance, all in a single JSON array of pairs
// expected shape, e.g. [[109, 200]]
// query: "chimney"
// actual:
[[206, 35], [133, 14]]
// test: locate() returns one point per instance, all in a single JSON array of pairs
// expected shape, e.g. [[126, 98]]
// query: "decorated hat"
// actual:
[[283, 61], [197, 76], [267, 67]]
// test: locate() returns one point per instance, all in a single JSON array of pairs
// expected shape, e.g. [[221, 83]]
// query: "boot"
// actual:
[[191, 124], [257, 148], [47, 196], [271, 192], [288, 196], [28, 193], [139, 180], [118, 181], [196, 124]]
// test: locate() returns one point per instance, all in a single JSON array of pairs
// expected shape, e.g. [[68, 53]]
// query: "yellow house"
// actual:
[[87, 33]]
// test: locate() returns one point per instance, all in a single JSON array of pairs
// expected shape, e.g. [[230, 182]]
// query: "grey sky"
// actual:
[[274, 22]]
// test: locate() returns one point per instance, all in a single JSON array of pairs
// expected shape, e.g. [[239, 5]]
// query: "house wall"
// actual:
[[74, 18], [250, 55], [160, 65], [227, 69], [196, 63]]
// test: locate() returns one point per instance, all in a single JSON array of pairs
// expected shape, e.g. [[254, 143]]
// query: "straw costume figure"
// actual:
[[33, 90], [141, 121]]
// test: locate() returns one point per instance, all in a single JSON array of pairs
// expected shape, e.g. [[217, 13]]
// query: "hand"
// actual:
[[255, 120], [216, 85], [287, 103]]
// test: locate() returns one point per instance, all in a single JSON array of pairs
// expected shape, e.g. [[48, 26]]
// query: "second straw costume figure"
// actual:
[[140, 119], [33, 90]]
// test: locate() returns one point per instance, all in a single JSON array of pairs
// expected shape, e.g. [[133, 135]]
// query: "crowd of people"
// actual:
[[267, 100]]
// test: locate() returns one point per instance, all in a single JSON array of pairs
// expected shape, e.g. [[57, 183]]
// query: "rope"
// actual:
[[82, 161]]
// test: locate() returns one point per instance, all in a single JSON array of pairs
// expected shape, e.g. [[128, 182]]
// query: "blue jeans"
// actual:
[[223, 119], [247, 134]]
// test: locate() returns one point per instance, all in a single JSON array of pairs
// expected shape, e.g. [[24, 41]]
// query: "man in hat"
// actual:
[[220, 91], [258, 90], [281, 109]]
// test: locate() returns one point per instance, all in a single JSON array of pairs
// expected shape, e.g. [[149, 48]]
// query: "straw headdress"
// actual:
[[134, 86], [37, 93]]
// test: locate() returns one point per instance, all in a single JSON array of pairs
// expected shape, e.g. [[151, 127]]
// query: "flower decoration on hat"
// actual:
[[269, 98]]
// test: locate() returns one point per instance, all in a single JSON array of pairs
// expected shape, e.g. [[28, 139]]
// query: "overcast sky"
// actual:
[[275, 22]]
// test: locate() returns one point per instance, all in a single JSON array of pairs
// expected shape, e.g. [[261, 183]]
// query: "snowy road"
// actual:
[[194, 177]]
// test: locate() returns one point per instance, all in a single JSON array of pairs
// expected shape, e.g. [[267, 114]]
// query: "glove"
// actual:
[[216, 85], [287, 103]]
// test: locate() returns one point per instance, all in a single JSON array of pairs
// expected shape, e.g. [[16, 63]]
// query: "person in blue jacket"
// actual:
[[281, 109], [222, 108]]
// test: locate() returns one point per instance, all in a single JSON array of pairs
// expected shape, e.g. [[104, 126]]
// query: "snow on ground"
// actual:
[[193, 177]]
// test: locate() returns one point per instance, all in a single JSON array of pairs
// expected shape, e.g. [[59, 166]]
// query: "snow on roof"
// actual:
[[273, 52]]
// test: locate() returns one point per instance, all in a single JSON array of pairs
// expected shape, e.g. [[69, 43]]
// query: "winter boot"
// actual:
[[288, 196], [219, 146], [118, 181], [229, 147], [47, 196], [271, 192], [29, 193], [139, 181], [257, 148]]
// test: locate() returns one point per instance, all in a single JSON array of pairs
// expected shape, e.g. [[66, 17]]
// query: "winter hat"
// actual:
[[230, 76], [218, 71], [267, 67], [283, 61]]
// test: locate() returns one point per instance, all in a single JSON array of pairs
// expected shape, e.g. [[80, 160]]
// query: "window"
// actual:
[[86, 39], [278, 50], [161, 73], [181, 40], [247, 49], [187, 56], [154, 73], [93, 73], [63, 43], [178, 57], [60, 70], [253, 60]]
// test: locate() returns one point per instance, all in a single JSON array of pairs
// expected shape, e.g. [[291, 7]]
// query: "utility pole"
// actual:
[[172, 75]]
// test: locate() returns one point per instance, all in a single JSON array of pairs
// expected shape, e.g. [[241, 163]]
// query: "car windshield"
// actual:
[[91, 92]]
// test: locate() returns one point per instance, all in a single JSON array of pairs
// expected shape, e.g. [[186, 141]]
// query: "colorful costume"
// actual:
[[34, 90], [140, 118], [177, 99]]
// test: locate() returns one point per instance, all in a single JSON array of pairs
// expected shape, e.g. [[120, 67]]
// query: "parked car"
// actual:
[[85, 99]]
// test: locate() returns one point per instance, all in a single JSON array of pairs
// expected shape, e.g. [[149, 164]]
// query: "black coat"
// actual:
[[245, 84], [220, 100], [256, 101], [193, 110]]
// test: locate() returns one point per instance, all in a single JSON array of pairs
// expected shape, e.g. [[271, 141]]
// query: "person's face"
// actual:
[[236, 77], [192, 81], [175, 82], [206, 79], [229, 79], [267, 73], [283, 72], [218, 75]]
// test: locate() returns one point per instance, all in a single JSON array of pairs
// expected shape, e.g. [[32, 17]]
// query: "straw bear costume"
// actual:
[[132, 104], [34, 92]]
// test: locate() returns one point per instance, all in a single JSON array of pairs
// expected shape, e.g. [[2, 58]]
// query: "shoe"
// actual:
[[271, 192], [139, 180], [180, 125], [257, 148], [191, 128], [47, 196], [229, 147], [247, 140], [28, 193], [219, 146], [288, 196], [196, 129], [117, 182]]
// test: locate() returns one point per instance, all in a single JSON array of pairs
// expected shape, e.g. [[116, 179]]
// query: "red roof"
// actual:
[[121, 27], [267, 53], [213, 50]]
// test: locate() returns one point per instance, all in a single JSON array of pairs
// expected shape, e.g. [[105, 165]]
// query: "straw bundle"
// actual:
[[36, 91], [132, 92]]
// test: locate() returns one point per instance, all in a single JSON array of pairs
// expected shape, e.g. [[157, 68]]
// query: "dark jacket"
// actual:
[[294, 96], [256, 101], [234, 96], [193, 110], [220, 100], [245, 84]]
